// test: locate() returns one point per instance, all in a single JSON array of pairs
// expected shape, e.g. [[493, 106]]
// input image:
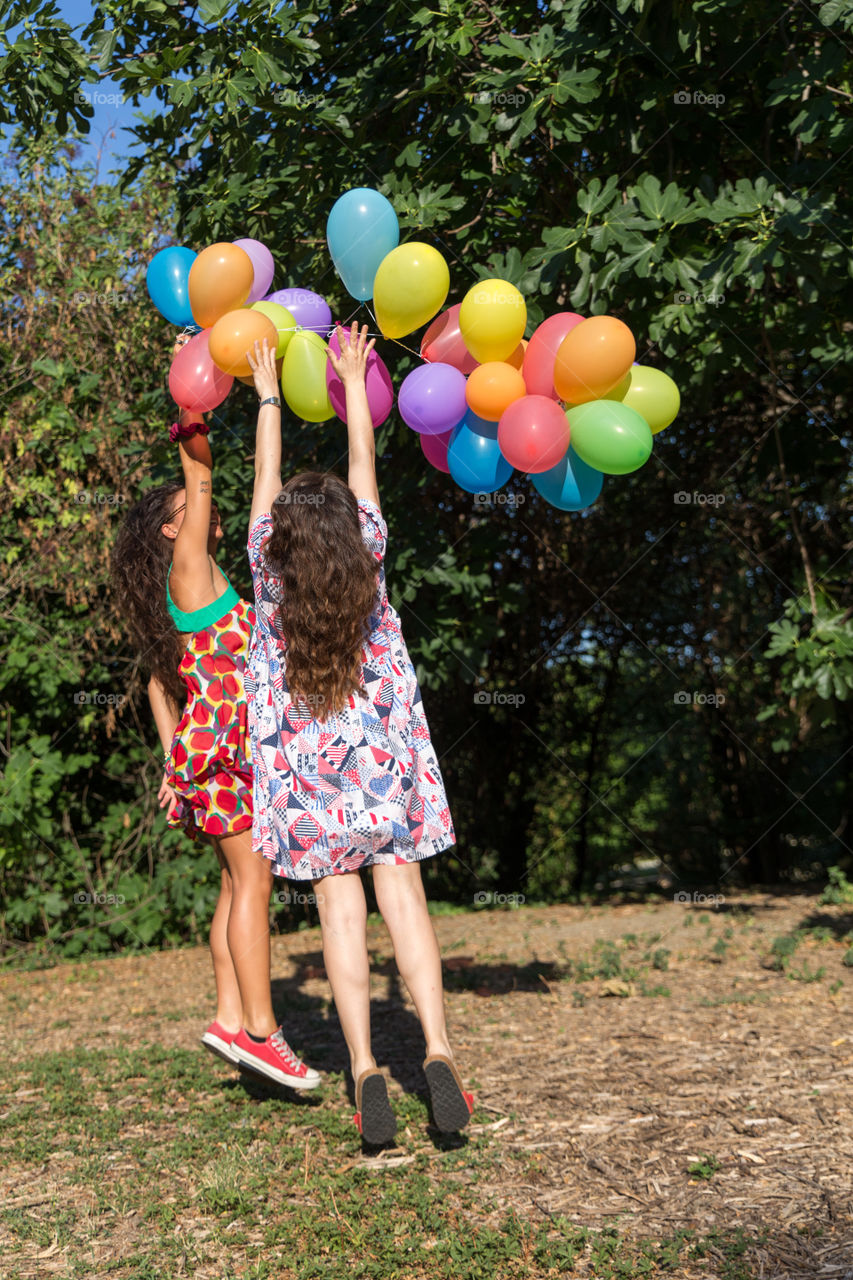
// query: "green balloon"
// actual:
[[610, 436], [653, 394]]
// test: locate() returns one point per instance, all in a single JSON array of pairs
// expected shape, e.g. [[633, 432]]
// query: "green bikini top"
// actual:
[[198, 619]]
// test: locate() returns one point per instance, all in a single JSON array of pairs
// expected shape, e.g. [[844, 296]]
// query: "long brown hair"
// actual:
[[327, 578], [140, 565]]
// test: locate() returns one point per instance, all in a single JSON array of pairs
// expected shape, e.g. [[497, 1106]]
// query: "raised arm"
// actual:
[[268, 437], [351, 368], [191, 582]]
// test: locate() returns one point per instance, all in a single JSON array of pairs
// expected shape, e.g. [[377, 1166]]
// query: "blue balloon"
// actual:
[[474, 457], [167, 278], [361, 230], [571, 485]]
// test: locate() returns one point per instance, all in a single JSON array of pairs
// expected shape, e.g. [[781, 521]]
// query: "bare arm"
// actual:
[[165, 711], [351, 368], [191, 583], [268, 438]]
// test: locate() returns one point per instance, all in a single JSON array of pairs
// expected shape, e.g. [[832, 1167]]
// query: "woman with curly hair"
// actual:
[[192, 630], [346, 775]]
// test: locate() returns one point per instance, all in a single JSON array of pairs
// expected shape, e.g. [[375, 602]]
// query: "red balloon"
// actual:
[[533, 434], [435, 450], [538, 369], [443, 343], [194, 380]]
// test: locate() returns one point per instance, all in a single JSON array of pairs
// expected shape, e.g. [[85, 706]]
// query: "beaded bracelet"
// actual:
[[178, 431]]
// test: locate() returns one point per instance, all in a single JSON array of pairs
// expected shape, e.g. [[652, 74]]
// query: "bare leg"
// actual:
[[343, 920], [401, 899], [248, 930], [229, 1006]]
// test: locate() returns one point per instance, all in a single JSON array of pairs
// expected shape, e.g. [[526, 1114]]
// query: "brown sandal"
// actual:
[[374, 1118], [451, 1105]]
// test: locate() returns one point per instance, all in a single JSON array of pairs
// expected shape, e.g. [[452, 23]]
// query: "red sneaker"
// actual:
[[220, 1042], [274, 1059]]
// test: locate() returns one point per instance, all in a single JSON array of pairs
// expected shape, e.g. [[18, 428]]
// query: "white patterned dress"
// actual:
[[362, 787]]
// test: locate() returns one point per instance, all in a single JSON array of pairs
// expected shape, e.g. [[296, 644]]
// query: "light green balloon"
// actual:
[[610, 436], [303, 377], [654, 395], [283, 321]]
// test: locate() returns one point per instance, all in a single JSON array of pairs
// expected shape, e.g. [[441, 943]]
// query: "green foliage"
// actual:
[[816, 674], [839, 891]]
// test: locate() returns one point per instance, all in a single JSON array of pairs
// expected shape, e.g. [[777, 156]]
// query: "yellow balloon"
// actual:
[[283, 321], [492, 319], [411, 286], [654, 395], [303, 377]]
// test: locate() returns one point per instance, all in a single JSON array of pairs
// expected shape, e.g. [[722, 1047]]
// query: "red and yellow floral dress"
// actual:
[[209, 764]]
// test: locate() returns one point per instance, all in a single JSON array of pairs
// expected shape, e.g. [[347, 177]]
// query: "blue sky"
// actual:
[[112, 117]]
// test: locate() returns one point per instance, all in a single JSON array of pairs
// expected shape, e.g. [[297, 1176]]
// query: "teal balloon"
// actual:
[[168, 278], [361, 230], [474, 457], [610, 436], [571, 485]]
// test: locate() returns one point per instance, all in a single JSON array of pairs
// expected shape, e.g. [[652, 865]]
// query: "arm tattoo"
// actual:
[[204, 487]]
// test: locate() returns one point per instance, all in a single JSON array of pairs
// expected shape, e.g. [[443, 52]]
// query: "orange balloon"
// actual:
[[593, 359], [517, 357], [492, 387], [234, 334], [221, 280]]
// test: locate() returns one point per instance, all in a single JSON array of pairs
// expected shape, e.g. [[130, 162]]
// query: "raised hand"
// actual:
[[263, 370], [351, 364]]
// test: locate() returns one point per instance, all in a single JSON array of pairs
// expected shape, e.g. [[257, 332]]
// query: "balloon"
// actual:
[[285, 325], [516, 358], [592, 359], [474, 457], [610, 436], [492, 387], [571, 485], [167, 279], [533, 433], [542, 352], [361, 230], [220, 280], [443, 341], [380, 389], [653, 394], [303, 377], [410, 287], [234, 334], [194, 380], [435, 450], [308, 309], [263, 267], [432, 398], [492, 319]]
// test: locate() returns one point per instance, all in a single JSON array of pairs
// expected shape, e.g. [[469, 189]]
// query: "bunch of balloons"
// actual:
[[568, 406]]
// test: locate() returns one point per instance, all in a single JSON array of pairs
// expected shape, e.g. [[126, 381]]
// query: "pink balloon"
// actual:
[[435, 450], [538, 367], [443, 343], [194, 380], [263, 266], [380, 388], [533, 434]]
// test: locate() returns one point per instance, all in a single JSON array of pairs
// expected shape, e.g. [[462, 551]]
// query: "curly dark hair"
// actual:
[[140, 564], [328, 581]]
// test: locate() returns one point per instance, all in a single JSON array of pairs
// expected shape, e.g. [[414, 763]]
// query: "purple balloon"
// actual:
[[380, 389], [432, 398], [263, 266], [308, 309], [435, 450]]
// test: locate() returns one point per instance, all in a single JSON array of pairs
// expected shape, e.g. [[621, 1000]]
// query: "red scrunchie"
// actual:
[[178, 431]]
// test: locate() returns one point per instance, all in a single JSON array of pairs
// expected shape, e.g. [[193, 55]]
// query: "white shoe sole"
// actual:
[[220, 1047], [251, 1063]]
